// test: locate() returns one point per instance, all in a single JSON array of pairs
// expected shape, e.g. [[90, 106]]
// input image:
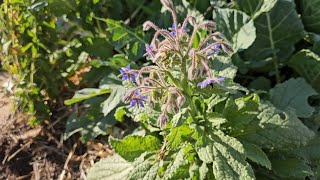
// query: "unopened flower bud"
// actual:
[[208, 25], [146, 26], [180, 101], [192, 21], [167, 3], [162, 120]]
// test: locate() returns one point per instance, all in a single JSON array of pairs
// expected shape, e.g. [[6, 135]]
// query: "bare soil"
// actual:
[[40, 152]]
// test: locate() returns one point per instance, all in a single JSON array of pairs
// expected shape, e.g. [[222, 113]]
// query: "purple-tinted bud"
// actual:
[[150, 51], [208, 25], [162, 120], [180, 101]]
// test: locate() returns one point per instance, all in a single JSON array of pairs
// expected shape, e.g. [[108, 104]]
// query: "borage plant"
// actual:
[[197, 124]]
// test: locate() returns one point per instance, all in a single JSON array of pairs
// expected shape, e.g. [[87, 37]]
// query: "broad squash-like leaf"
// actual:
[[274, 37], [309, 152], [286, 168], [236, 26], [86, 93], [92, 124], [307, 64], [310, 11], [256, 7], [133, 146], [111, 168], [276, 129], [113, 100], [223, 67], [293, 94]]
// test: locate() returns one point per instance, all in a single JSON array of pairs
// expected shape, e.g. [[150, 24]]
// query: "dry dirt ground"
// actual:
[[40, 152]]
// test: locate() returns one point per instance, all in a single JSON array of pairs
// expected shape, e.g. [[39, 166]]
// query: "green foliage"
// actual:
[[269, 130], [307, 64], [237, 27], [133, 146], [273, 39], [114, 168], [227, 131], [293, 94], [309, 11]]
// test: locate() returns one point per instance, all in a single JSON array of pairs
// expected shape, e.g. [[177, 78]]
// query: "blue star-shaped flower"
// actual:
[[138, 100], [209, 81], [127, 74]]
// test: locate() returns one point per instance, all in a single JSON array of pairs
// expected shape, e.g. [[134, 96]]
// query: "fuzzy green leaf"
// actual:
[[112, 168], [255, 154], [133, 146], [277, 129], [274, 38], [256, 7], [216, 119], [286, 168], [177, 136], [236, 26], [293, 94], [307, 64], [179, 166], [227, 155], [145, 168]]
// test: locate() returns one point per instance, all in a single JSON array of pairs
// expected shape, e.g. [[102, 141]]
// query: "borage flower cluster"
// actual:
[[179, 65]]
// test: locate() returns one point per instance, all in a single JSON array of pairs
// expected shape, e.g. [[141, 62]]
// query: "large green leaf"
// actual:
[[178, 167], [236, 26], [293, 94], [223, 67], [177, 136], [145, 168], [310, 11], [276, 129], [256, 7], [92, 124], [240, 112], [133, 146], [86, 93], [122, 36], [113, 100], [307, 64], [286, 168], [111, 168], [255, 154], [274, 38], [309, 152], [227, 156]]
